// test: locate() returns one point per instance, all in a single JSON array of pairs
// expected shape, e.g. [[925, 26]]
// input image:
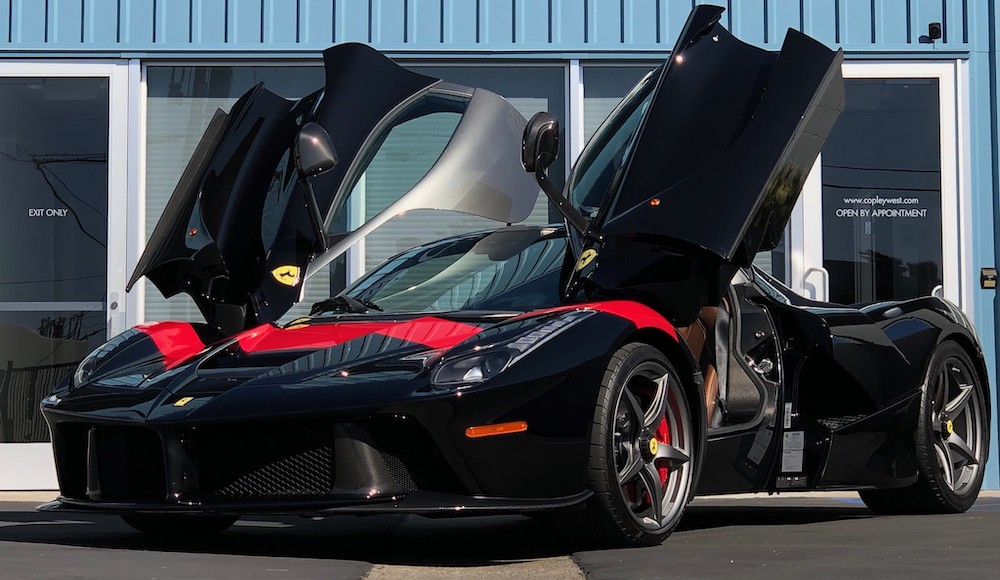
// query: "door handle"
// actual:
[[822, 291]]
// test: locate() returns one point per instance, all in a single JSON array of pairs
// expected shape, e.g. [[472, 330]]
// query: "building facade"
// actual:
[[103, 101]]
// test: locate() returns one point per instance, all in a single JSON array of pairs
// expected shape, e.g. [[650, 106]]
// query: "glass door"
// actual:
[[58, 281], [870, 225]]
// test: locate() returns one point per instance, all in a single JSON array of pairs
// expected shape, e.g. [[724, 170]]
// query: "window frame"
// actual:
[[804, 259]]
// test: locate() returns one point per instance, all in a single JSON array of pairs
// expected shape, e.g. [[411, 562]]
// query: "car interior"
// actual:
[[734, 344]]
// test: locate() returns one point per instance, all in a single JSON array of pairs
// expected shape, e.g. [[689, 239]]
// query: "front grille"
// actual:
[[412, 458], [130, 464], [280, 460], [69, 441], [266, 461], [397, 469]]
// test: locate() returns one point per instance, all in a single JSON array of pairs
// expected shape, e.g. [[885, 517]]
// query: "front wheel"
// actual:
[[952, 441], [642, 453], [179, 526]]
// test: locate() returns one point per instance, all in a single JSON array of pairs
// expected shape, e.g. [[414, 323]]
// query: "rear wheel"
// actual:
[[179, 525], [642, 449], [952, 440]]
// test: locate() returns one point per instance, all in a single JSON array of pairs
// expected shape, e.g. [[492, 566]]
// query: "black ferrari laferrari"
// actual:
[[601, 371]]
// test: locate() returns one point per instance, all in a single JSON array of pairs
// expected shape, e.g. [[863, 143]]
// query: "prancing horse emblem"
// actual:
[[586, 257], [287, 275]]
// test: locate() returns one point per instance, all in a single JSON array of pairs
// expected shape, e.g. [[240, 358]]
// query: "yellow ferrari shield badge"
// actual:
[[287, 275], [585, 258], [653, 446], [183, 401]]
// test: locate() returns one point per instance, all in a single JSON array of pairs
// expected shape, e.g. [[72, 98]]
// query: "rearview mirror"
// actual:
[[540, 144], [314, 152]]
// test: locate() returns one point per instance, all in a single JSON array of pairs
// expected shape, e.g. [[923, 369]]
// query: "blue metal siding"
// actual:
[[457, 16], [985, 193], [591, 27], [207, 22], [173, 22]]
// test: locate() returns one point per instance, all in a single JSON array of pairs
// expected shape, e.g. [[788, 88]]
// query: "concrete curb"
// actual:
[[28, 496]]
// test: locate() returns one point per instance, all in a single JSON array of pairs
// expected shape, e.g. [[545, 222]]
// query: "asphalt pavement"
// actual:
[[743, 537]]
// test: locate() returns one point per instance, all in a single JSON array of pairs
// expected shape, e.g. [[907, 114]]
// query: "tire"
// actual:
[[952, 441], [179, 526], [641, 400]]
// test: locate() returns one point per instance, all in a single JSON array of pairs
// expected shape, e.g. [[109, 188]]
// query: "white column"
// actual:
[[574, 113]]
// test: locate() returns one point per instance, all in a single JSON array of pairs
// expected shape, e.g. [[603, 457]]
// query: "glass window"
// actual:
[[882, 192], [53, 272], [603, 88], [773, 261], [181, 101], [607, 151], [406, 154]]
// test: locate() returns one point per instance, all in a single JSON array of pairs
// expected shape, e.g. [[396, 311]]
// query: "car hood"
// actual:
[[236, 234], [715, 166], [166, 371]]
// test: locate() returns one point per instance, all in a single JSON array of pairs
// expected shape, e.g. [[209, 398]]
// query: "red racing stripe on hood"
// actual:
[[433, 332], [176, 341], [639, 314], [430, 331]]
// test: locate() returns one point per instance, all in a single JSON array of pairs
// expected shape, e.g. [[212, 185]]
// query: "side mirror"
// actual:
[[539, 148], [540, 144], [314, 152]]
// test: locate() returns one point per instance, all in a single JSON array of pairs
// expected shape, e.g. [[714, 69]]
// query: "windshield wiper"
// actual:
[[366, 302], [344, 303]]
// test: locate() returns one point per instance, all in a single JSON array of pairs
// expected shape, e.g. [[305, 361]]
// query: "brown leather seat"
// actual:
[[700, 338]]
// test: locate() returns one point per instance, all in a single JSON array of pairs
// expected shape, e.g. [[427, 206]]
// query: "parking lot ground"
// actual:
[[829, 536], [802, 537]]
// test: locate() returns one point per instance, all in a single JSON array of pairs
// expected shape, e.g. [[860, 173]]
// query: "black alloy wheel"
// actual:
[[642, 449], [179, 526], [952, 441]]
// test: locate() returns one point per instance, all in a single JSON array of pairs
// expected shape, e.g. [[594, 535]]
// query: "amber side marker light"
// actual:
[[498, 429]]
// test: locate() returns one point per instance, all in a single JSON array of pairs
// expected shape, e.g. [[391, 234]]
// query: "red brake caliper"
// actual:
[[662, 435]]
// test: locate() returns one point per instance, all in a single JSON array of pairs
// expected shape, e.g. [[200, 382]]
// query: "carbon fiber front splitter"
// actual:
[[416, 503]]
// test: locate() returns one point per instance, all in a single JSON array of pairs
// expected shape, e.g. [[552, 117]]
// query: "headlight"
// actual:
[[473, 369], [89, 364], [85, 369], [487, 361]]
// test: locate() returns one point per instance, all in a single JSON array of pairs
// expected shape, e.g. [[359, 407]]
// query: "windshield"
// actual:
[[608, 149], [513, 269]]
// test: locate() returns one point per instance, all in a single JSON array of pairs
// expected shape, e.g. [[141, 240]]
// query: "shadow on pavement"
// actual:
[[378, 539], [716, 516]]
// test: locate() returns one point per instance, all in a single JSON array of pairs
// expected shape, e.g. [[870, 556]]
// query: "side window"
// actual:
[[403, 153], [410, 149], [406, 152], [774, 261], [277, 196]]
